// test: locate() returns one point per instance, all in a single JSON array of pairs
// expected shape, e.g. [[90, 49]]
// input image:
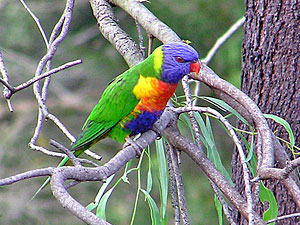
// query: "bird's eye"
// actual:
[[179, 59]]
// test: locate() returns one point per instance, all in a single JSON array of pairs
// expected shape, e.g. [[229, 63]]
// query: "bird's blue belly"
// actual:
[[143, 122]]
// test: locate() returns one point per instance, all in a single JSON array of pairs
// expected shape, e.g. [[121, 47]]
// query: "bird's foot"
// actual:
[[157, 131], [136, 147]]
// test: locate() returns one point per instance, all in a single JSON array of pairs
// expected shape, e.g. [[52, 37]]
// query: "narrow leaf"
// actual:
[[153, 209], [224, 106], [209, 143], [94, 204], [219, 209], [126, 171], [149, 174], [186, 120], [266, 195], [163, 177], [285, 124], [100, 212]]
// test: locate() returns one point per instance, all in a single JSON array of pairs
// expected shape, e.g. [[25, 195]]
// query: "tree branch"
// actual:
[[55, 39], [210, 78], [147, 20], [5, 82], [238, 145], [173, 188], [221, 40], [27, 175], [179, 184], [123, 43], [35, 79], [183, 144], [37, 21]]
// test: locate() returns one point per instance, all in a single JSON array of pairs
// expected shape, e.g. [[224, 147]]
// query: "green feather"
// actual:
[[116, 102]]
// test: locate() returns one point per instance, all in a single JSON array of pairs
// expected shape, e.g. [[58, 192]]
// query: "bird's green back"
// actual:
[[116, 102]]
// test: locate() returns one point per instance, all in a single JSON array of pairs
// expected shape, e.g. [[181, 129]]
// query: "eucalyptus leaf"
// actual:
[[155, 218], [266, 195]]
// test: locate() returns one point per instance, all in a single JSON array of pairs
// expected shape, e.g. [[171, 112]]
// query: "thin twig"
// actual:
[[173, 189], [46, 151], [141, 38], [69, 153], [55, 39], [37, 21], [93, 155], [179, 185], [42, 76], [27, 175], [76, 161], [281, 174], [221, 40], [67, 16], [283, 217], [5, 81], [61, 126], [188, 97], [3, 68], [150, 44], [8, 88]]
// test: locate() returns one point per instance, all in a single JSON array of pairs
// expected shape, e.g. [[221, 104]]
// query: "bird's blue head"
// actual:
[[179, 59]]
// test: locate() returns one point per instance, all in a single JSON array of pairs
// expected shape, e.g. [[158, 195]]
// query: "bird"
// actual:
[[135, 100]]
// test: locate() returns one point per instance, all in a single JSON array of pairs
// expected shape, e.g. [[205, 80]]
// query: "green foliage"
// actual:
[[287, 127], [219, 209], [225, 107], [99, 195], [149, 174], [155, 218], [100, 212], [266, 195], [210, 145], [104, 195], [163, 179]]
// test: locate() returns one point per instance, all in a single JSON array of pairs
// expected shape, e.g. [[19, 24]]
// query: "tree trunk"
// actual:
[[271, 77]]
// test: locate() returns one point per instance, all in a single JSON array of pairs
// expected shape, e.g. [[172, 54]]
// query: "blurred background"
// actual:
[[74, 92]]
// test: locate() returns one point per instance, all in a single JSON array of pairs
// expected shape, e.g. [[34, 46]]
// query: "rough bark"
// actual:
[[271, 77]]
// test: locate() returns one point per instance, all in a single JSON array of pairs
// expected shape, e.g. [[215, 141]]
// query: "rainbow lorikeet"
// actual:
[[136, 99]]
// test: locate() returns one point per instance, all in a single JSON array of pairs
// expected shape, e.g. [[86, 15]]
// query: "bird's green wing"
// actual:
[[116, 102]]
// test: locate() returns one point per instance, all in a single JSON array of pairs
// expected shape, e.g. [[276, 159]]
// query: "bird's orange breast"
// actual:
[[153, 94]]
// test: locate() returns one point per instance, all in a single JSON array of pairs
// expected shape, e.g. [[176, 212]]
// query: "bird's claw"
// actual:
[[136, 147], [157, 131]]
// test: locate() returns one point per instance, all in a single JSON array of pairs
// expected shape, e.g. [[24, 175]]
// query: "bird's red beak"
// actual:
[[195, 67]]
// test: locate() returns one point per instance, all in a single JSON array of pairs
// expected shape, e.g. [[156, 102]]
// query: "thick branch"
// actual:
[[183, 144], [210, 78], [147, 20], [109, 28]]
